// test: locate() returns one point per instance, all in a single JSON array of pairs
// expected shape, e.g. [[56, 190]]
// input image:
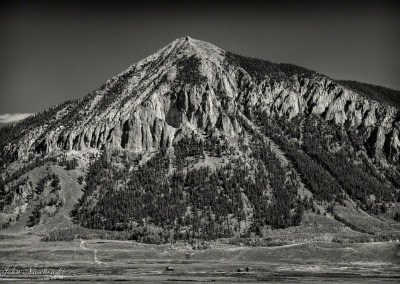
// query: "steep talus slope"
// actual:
[[263, 126]]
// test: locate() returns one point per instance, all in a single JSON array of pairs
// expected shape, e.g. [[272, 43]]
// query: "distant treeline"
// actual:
[[376, 93], [259, 69]]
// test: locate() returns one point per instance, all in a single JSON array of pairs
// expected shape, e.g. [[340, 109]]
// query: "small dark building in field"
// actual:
[[247, 269]]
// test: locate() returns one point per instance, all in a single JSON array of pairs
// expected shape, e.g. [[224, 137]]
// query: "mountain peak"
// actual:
[[196, 128], [189, 46]]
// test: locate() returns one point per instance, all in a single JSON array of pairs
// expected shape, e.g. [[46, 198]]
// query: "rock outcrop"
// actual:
[[142, 108]]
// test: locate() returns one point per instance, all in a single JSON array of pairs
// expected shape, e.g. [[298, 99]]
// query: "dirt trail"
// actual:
[[82, 246]]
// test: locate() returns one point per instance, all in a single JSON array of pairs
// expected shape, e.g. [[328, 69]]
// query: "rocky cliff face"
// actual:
[[322, 97], [189, 85], [245, 145]]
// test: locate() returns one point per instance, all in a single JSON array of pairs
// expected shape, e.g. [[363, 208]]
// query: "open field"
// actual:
[[91, 260]]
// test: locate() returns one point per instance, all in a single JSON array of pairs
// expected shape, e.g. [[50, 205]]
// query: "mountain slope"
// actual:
[[196, 142], [377, 93]]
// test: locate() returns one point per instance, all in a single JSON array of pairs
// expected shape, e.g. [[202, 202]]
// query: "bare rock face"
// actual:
[[325, 98], [189, 84]]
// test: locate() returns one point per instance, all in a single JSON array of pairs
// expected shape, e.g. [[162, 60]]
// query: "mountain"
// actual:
[[194, 142]]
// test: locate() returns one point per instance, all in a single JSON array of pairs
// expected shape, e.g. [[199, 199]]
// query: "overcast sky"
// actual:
[[51, 53]]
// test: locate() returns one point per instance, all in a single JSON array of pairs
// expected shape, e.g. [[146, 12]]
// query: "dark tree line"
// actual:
[[7, 196], [52, 199], [259, 69], [34, 219], [316, 177], [188, 71], [354, 178], [328, 165], [68, 164], [190, 203], [376, 93]]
